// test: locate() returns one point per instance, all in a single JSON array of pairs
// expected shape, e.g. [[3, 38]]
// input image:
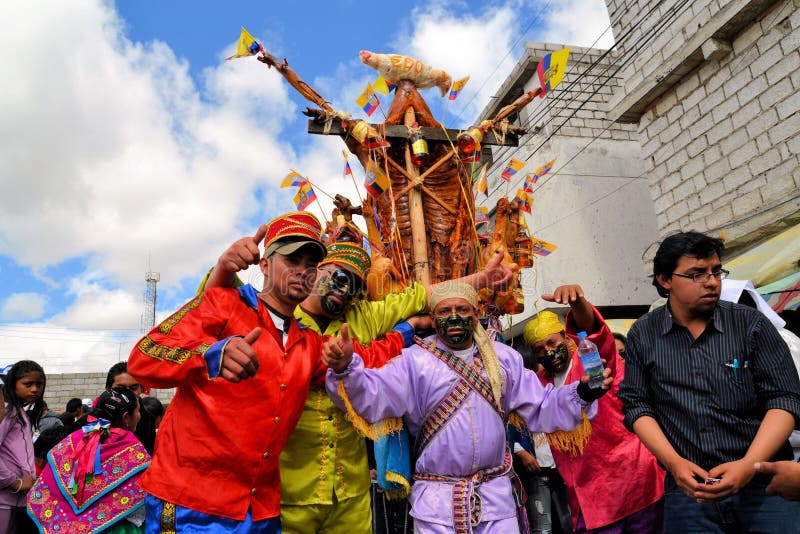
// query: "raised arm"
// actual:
[[373, 394], [189, 346], [239, 256]]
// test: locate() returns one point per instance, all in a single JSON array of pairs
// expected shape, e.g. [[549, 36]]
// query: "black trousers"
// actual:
[[547, 504]]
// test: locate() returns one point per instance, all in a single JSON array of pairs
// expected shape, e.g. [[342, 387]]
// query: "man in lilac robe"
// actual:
[[445, 389]]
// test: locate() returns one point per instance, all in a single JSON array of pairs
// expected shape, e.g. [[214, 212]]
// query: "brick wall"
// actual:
[[720, 142], [62, 387]]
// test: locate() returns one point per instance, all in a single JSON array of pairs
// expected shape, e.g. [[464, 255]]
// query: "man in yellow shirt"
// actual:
[[324, 474]]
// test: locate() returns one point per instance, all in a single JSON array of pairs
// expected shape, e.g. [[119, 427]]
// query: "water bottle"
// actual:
[[590, 360]]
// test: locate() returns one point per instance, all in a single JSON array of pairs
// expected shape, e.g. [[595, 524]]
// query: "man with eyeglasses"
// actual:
[[710, 389], [324, 472]]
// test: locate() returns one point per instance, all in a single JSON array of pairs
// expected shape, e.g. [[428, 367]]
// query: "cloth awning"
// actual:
[[769, 262], [783, 294]]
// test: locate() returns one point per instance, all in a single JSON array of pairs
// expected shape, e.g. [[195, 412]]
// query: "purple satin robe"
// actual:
[[413, 384]]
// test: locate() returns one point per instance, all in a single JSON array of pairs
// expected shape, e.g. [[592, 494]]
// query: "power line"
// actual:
[[630, 54]]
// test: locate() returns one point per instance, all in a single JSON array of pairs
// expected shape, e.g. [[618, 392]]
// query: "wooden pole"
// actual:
[[419, 240]]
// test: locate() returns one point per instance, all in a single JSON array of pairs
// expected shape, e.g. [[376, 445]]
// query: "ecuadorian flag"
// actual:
[[458, 85], [513, 167], [247, 46], [304, 196], [293, 178], [542, 248], [551, 70], [376, 182], [368, 100]]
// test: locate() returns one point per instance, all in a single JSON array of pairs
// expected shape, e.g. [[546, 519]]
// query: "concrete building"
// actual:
[[596, 205], [691, 122]]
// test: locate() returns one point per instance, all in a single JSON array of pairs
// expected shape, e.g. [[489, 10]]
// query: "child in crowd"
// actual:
[[23, 392], [90, 481], [152, 412]]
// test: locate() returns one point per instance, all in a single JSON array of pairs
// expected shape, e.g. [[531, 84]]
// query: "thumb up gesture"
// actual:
[[240, 360], [337, 352]]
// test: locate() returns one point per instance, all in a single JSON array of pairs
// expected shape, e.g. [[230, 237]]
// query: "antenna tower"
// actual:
[[149, 315]]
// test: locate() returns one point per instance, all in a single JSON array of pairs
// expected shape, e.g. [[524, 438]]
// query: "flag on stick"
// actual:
[[544, 169], [481, 185], [347, 169], [481, 215], [527, 185], [542, 248], [376, 181], [513, 166], [368, 100], [525, 200], [247, 46], [382, 86], [551, 70], [304, 196], [292, 179], [458, 85]]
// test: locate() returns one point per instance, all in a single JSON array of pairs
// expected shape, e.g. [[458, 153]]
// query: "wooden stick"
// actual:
[[419, 243]]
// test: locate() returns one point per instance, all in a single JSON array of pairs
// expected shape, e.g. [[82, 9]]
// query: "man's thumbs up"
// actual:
[[239, 360]]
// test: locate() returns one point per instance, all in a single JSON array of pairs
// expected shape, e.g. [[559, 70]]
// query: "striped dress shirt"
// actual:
[[710, 394]]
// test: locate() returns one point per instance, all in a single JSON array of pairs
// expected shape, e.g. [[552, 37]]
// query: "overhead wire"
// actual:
[[630, 54]]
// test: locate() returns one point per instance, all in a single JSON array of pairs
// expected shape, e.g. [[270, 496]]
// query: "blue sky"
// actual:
[[128, 143]]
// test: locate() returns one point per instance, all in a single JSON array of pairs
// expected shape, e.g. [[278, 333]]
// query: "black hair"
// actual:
[[693, 244], [15, 404], [74, 404], [747, 299], [48, 439], [116, 369], [113, 403], [145, 431], [621, 337]]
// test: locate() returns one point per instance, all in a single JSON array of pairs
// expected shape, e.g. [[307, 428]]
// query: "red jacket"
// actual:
[[616, 475], [218, 444]]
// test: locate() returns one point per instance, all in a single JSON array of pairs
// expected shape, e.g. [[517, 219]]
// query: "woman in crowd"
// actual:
[[23, 392], [90, 481]]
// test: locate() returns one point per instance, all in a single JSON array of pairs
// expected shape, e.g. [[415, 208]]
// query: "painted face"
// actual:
[[126, 380], [552, 352], [454, 321], [695, 299], [30, 386], [336, 287]]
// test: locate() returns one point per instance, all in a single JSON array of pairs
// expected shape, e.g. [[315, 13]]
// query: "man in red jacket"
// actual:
[[614, 483], [242, 366]]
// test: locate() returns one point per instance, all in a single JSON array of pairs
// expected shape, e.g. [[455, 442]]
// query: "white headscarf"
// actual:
[[732, 290]]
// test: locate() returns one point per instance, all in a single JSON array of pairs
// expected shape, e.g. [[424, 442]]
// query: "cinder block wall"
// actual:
[[721, 145], [61, 388]]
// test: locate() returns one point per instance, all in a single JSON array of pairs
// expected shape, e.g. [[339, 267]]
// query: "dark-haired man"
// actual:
[[324, 474], [711, 390], [215, 467], [455, 391]]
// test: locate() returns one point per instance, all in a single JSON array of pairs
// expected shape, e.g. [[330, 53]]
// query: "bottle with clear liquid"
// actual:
[[590, 360]]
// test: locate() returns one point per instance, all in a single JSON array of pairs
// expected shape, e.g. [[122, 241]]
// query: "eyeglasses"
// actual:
[[702, 278]]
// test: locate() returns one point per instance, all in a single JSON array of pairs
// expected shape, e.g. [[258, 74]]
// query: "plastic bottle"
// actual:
[[590, 360]]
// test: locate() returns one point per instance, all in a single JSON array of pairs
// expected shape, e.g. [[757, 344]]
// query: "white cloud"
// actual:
[[64, 350], [23, 307], [463, 43], [109, 151], [579, 23]]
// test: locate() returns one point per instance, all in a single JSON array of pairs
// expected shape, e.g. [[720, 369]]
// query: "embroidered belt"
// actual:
[[467, 505]]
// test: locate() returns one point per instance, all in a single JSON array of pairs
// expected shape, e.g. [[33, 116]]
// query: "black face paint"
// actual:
[[336, 289], [556, 360], [443, 324]]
